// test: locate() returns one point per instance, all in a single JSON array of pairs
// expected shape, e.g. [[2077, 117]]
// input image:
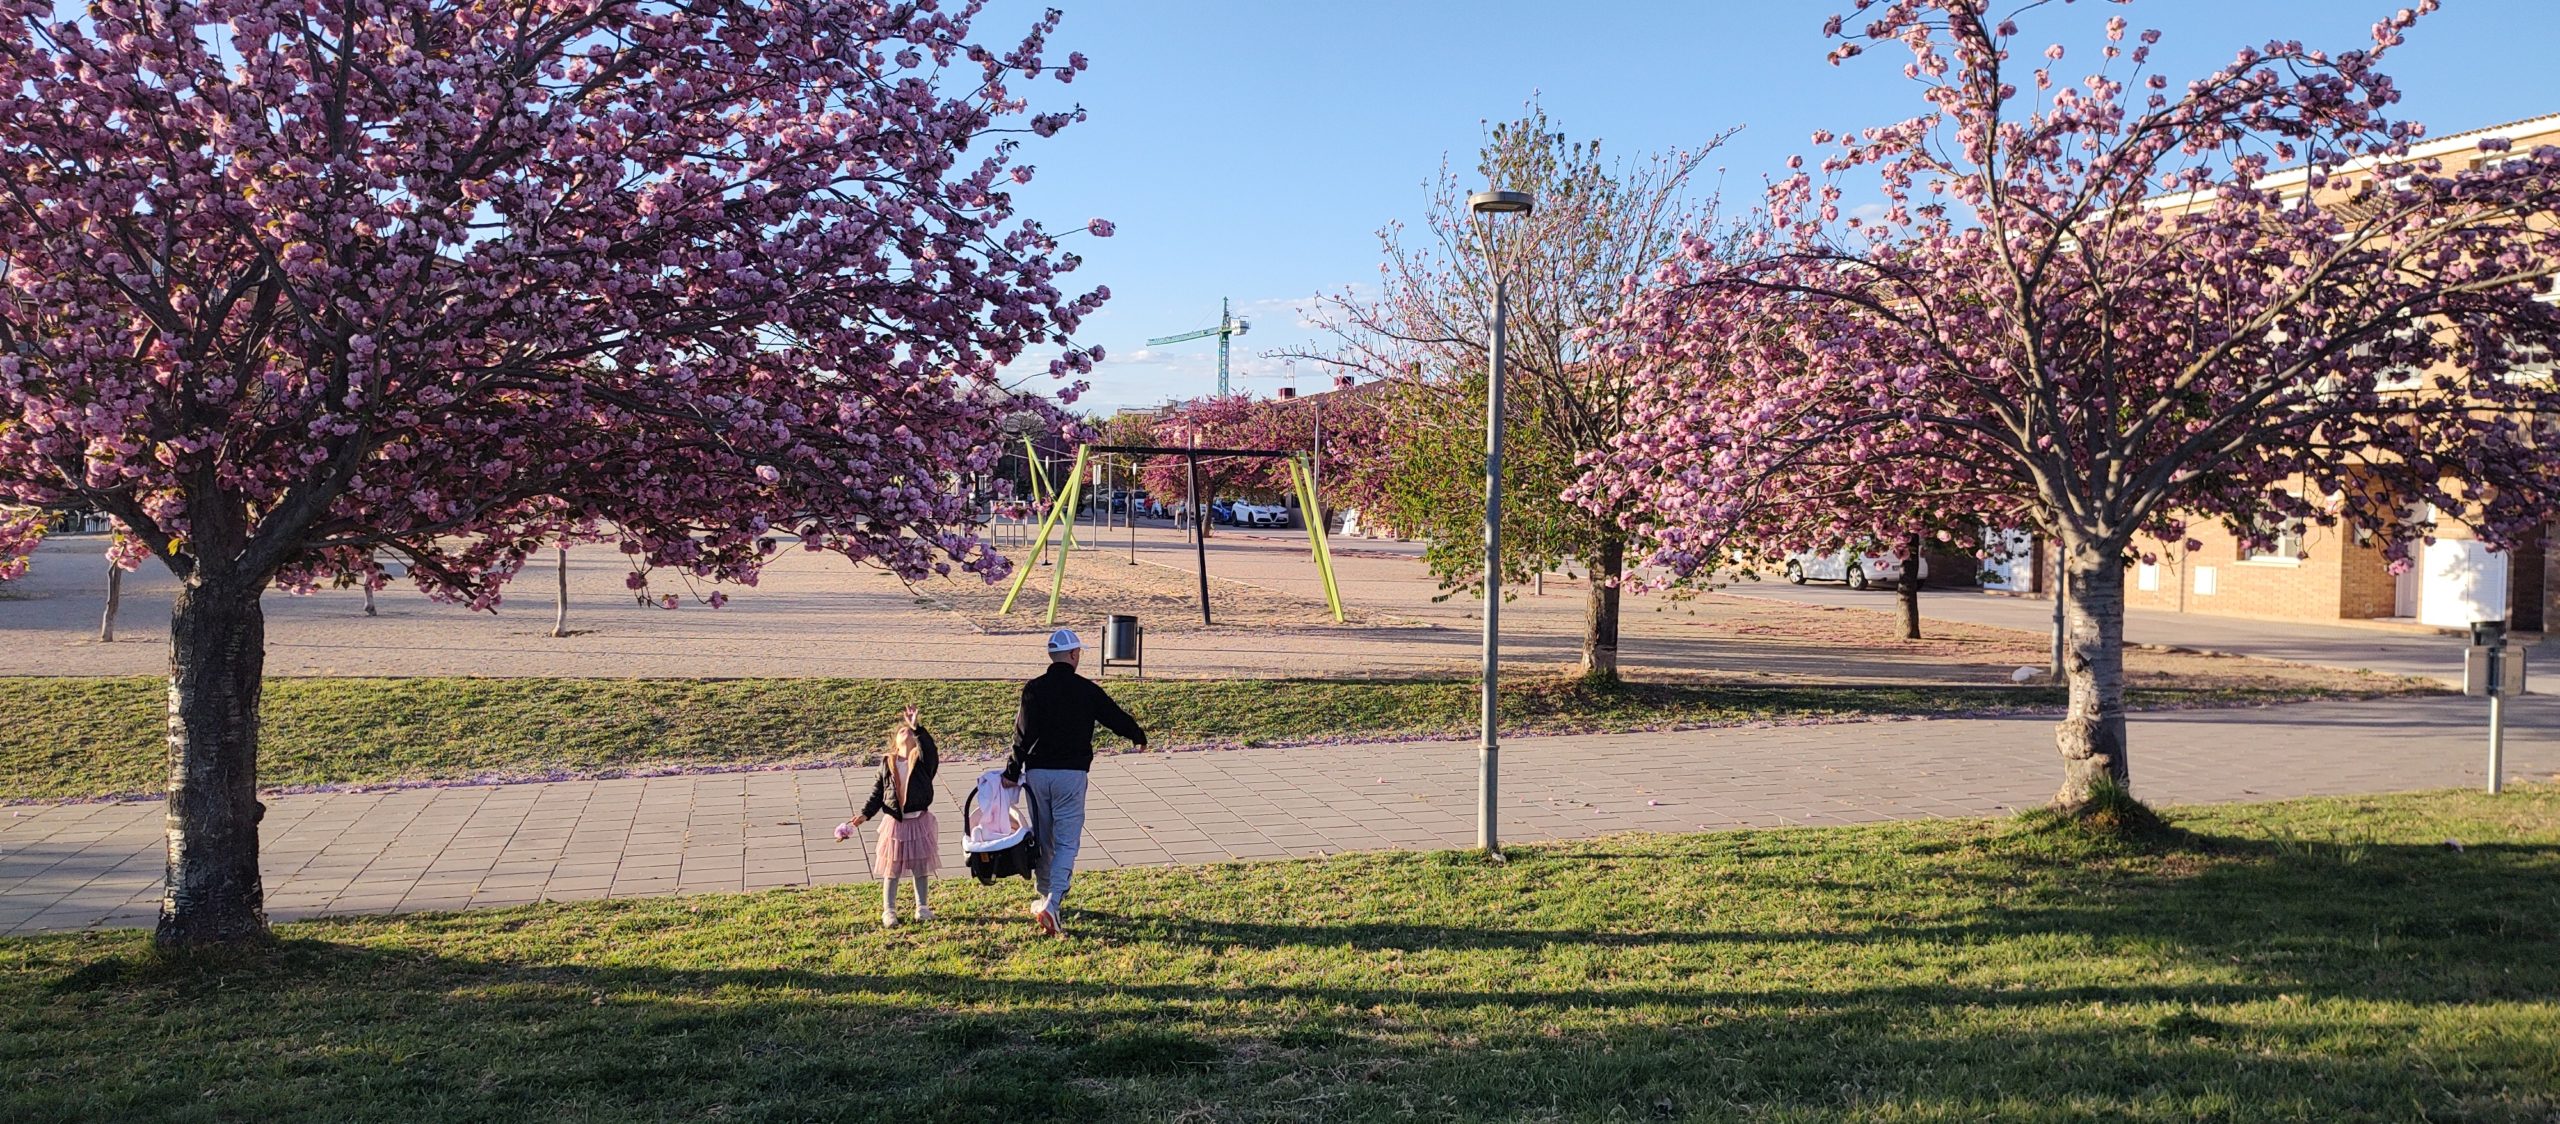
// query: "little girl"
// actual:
[[909, 845]]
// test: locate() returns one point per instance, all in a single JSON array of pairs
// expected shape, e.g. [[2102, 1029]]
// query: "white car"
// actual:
[[1860, 571], [1262, 515]]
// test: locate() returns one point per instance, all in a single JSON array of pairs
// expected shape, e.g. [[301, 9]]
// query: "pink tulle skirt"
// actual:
[[908, 847]]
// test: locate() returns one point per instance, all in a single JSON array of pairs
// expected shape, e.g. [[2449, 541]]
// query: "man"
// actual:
[[1053, 753]]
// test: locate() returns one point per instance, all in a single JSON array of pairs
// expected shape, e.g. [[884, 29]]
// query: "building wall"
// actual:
[[2338, 580], [2550, 577], [2341, 579], [2368, 588]]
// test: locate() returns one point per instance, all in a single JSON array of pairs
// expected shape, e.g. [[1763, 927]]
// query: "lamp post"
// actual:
[[1489, 751]]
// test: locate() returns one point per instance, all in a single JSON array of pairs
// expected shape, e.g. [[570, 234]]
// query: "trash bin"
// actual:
[[1123, 642]]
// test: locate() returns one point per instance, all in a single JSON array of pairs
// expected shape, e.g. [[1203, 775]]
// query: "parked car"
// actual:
[[1260, 515], [1222, 510], [1860, 571]]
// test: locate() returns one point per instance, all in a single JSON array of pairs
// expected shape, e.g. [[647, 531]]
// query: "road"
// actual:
[[2391, 650]]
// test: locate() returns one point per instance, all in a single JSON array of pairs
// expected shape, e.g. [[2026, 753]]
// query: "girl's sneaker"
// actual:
[[888, 919], [924, 913]]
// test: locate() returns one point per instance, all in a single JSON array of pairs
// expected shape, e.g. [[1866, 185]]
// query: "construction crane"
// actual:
[[1229, 327]]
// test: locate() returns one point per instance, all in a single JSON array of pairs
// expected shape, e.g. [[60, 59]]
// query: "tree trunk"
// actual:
[[2092, 734], [115, 599], [560, 617], [217, 653], [368, 595], [1600, 614], [1909, 588]]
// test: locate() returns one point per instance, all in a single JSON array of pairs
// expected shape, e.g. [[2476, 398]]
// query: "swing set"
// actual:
[[1060, 519]]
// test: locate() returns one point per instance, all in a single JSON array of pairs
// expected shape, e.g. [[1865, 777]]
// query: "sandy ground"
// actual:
[[1161, 589], [813, 615]]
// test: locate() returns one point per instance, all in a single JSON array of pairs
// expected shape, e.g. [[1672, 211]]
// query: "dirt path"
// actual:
[[815, 616]]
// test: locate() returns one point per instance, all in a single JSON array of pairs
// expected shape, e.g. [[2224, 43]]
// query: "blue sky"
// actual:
[[1252, 148]]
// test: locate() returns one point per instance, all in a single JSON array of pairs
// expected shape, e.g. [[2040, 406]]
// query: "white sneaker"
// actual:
[[888, 919], [924, 913]]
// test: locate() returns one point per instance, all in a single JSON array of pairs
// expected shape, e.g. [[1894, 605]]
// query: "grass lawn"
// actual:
[[75, 737], [2323, 960]]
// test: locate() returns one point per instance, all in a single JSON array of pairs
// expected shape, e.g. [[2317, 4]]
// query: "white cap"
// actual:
[[1064, 640]]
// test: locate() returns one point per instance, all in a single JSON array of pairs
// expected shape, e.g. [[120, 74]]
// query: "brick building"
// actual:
[[2329, 574]]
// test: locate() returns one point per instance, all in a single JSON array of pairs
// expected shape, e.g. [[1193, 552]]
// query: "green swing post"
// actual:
[[1041, 489], [1047, 489], [1304, 481], [1066, 545], [1039, 546]]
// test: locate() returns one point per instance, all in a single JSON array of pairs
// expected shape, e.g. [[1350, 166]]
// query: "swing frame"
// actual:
[[1301, 482]]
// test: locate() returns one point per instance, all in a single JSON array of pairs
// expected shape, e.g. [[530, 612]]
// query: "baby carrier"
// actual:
[[999, 839]]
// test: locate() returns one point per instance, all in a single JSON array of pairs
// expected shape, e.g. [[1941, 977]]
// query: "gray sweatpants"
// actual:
[[1057, 813]]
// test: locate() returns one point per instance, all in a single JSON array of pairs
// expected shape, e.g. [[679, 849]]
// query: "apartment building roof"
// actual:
[[2429, 148]]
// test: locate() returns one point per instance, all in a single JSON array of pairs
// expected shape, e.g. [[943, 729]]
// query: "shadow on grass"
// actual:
[[2015, 974]]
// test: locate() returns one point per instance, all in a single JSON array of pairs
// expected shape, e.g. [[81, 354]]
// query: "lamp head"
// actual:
[[1500, 202]]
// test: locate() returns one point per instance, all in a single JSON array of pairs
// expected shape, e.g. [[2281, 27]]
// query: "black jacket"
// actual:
[[1054, 728], [884, 790]]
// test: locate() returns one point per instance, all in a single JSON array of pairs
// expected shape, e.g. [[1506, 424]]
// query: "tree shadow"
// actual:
[[2012, 974]]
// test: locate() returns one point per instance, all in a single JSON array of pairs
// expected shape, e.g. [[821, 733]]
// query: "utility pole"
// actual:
[[1489, 754], [1199, 528], [1315, 475], [2061, 590]]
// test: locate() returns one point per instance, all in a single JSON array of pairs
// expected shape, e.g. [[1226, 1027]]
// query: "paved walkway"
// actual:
[[77, 866]]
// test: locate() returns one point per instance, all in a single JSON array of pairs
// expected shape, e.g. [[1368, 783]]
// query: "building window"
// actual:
[[2532, 363], [2287, 541]]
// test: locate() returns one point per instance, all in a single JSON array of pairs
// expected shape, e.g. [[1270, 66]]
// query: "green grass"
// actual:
[[2315, 961], [75, 737]]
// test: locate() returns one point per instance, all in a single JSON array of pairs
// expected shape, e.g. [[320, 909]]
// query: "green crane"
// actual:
[[1229, 327]]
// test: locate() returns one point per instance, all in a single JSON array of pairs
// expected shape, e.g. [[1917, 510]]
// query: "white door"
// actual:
[[2008, 559], [2406, 585]]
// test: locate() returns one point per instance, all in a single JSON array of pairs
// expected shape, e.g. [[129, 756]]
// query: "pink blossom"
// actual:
[[422, 284], [2086, 315]]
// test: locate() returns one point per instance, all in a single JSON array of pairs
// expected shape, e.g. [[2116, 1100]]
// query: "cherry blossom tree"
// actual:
[[1600, 230], [1353, 432], [1345, 426], [1217, 421], [2099, 301], [293, 282]]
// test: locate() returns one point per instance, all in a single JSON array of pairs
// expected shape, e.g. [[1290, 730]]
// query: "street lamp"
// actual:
[[1489, 751]]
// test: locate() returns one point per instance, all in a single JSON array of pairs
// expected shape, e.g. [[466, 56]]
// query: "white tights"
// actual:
[[889, 893]]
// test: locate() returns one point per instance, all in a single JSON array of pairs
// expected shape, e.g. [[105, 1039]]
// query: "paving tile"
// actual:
[[77, 866]]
